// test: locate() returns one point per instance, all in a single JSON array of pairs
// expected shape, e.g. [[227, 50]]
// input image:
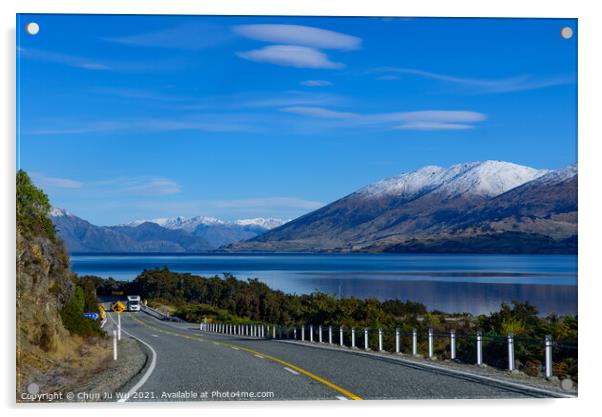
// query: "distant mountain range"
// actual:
[[176, 234], [477, 207]]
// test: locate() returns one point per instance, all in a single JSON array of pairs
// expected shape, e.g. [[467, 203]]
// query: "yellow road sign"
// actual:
[[118, 307]]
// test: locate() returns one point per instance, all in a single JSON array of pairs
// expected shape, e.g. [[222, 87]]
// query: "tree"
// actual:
[[32, 208]]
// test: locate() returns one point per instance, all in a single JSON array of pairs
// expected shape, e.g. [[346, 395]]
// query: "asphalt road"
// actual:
[[222, 367]]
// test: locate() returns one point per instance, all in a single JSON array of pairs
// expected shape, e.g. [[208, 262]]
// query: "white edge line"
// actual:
[[259, 356], [148, 372], [340, 397], [292, 371]]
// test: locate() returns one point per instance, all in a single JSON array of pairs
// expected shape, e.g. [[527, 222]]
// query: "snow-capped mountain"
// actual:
[[194, 222], [179, 222], [59, 212], [490, 206], [265, 223], [488, 179], [175, 234]]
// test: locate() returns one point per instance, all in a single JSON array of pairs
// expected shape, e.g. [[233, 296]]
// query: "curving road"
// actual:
[[185, 362]]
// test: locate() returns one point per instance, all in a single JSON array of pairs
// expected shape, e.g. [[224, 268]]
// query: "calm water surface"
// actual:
[[453, 283]]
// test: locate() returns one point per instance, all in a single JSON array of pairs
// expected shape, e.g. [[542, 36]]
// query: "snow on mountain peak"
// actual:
[[59, 212], [488, 179], [560, 175], [192, 223], [266, 223]]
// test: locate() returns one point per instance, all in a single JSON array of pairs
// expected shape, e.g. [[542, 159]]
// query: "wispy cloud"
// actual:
[[320, 112], [481, 85], [433, 126], [300, 35], [189, 36], [150, 186], [64, 59], [45, 181], [280, 206], [205, 122], [316, 83], [291, 56], [75, 61], [296, 45], [416, 120], [276, 203]]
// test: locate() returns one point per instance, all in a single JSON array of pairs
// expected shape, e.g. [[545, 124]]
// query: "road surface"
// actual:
[[186, 364]]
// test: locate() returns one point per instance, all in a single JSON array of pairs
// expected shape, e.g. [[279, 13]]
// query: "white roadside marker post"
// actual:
[[303, 332], [311, 333], [510, 352], [431, 347], [274, 331], [479, 349], [118, 326], [353, 338], [330, 335], [397, 341], [452, 343], [548, 346], [414, 342], [295, 332], [114, 345], [341, 336], [380, 340], [366, 347], [320, 333]]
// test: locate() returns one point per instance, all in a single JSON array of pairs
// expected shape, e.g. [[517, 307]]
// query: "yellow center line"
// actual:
[[255, 352]]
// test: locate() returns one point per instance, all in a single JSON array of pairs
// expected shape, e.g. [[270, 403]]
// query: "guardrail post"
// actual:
[[548, 346], [452, 343], [366, 344], [311, 333], [397, 341], [303, 332], [330, 335], [320, 333], [380, 340], [414, 342], [341, 340], [431, 347], [114, 345], [479, 348], [353, 338]]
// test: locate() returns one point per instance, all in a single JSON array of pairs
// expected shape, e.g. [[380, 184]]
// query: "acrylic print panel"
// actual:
[[295, 208]]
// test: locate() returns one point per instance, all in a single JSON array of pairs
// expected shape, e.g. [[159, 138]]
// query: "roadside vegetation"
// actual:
[[227, 299]]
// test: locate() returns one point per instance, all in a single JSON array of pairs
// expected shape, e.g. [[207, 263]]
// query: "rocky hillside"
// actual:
[[49, 326]]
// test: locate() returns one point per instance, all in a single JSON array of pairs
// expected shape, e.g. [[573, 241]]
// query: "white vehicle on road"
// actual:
[[133, 303]]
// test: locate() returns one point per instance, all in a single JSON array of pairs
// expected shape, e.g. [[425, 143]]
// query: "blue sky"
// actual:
[[130, 117]]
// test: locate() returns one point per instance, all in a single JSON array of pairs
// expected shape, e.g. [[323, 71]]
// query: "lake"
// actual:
[[453, 283]]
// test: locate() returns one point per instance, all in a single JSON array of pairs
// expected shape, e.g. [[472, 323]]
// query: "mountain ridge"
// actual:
[[172, 235], [434, 208]]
